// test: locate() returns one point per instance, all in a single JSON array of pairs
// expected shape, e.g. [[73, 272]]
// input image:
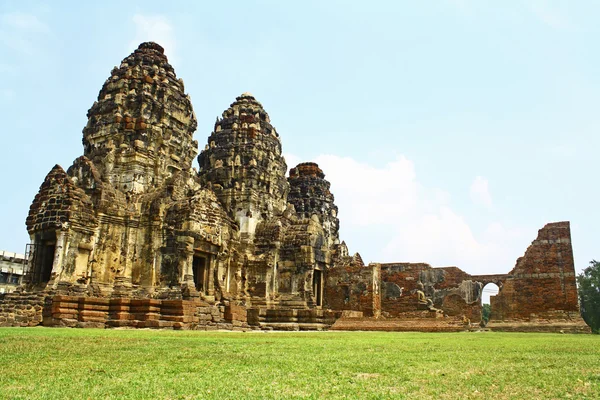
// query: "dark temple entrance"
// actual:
[[200, 271], [43, 257], [318, 286]]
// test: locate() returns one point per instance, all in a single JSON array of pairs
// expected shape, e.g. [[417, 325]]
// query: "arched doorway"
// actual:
[[488, 290]]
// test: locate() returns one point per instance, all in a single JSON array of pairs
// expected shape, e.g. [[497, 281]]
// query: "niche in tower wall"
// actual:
[[43, 257], [318, 287], [200, 270]]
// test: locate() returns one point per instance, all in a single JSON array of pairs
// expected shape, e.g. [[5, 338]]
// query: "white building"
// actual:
[[12, 269]]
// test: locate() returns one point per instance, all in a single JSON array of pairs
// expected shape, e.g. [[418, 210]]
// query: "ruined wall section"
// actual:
[[139, 132], [399, 286], [242, 163], [21, 309], [349, 286], [542, 284], [458, 293], [304, 245], [449, 288]]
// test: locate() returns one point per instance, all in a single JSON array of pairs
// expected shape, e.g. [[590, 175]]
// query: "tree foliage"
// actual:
[[589, 295], [485, 313]]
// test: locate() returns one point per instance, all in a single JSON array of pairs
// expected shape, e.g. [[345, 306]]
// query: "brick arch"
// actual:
[[498, 280]]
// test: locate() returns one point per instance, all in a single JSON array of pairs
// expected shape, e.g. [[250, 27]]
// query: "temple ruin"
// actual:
[[130, 235]]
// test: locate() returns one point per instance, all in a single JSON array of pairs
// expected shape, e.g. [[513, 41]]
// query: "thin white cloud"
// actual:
[[445, 238], [387, 215], [479, 192], [372, 190], [155, 28]]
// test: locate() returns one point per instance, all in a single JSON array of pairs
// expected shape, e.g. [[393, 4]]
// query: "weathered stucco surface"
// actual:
[[131, 235]]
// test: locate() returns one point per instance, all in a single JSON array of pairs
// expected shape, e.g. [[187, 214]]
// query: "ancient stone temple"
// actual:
[[131, 235]]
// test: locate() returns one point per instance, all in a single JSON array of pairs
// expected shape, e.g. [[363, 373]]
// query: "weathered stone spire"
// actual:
[[243, 164], [139, 132], [58, 203], [310, 195]]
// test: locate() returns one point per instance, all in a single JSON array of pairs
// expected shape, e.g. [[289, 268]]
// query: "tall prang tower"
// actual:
[[131, 212], [139, 132], [242, 163]]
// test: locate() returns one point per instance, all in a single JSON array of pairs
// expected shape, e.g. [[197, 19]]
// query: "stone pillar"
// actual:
[[188, 286], [228, 275], [376, 290], [275, 278], [212, 269], [186, 262], [57, 265]]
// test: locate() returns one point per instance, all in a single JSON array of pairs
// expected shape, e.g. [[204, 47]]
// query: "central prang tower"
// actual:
[[140, 130]]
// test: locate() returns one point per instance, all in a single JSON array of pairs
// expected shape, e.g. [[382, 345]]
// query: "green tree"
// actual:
[[485, 313], [589, 295]]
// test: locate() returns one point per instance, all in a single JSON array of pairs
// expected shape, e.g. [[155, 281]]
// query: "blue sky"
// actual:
[[451, 131]]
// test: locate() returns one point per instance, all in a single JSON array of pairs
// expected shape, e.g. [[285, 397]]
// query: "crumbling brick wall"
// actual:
[[542, 284], [350, 287], [399, 286], [18, 309]]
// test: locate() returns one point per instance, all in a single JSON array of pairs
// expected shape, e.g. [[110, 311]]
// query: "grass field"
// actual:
[[50, 363]]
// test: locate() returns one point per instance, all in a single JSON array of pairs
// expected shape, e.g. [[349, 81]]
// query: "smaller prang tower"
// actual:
[[286, 241], [310, 195], [242, 163]]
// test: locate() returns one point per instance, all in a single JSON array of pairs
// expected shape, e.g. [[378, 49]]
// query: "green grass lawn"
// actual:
[[51, 363]]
